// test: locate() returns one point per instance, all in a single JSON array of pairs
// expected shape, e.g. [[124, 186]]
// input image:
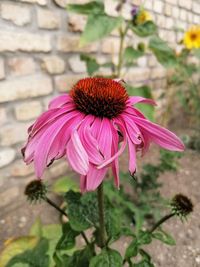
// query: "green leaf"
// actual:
[[80, 258], [64, 184], [16, 246], [144, 91], [82, 210], [37, 257], [132, 249], [67, 240], [164, 54], [131, 54], [146, 29], [144, 237], [113, 224], [107, 258], [98, 26], [143, 263], [91, 63], [36, 228], [197, 53], [94, 7], [164, 237]]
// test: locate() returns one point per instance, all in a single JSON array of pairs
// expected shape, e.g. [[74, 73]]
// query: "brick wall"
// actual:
[[39, 57]]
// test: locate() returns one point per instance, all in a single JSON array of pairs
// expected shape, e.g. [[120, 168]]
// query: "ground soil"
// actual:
[[186, 253]]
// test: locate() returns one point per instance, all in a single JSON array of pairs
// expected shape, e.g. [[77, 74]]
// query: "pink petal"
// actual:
[[46, 141], [105, 138], [76, 154], [89, 141], [94, 177], [132, 129], [160, 135], [115, 163], [59, 101], [120, 151], [132, 157], [83, 183], [139, 99], [47, 118]]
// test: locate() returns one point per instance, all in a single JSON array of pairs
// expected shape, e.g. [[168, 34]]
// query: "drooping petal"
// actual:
[[132, 156], [83, 183], [160, 135], [120, 151], [94, 177], [48, 117], [105, 138], [89, 141], [76, 154], [139, 99], [59, 101], [115, 163], [46, 141], [132, 129]]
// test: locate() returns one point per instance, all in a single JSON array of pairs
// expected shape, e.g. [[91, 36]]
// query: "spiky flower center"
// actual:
[[101, 97], [181, 205]]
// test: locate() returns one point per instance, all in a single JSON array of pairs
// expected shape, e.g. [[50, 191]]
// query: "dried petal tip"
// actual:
[[35, 191], [181, 205]]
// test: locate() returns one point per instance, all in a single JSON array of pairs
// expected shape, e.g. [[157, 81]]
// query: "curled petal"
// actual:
[[76, 154], [59, 101], [160, 135], [139, 99], [94, 177]]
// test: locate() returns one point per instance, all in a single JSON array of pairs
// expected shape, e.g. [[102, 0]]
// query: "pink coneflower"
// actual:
[[91, 127]]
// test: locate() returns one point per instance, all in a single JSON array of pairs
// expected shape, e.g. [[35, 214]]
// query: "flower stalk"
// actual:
[[102, 230], [161, 221]]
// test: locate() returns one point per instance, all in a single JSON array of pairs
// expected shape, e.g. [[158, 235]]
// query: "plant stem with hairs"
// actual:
[[161, 221], [121, 49], [50, 202], [102, 230]]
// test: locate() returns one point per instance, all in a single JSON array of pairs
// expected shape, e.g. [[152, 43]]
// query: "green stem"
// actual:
[[121, 49], [50, 202], [102, 230], [161, 221]]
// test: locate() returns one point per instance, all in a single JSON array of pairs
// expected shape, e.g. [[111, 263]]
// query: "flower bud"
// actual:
[[181, 205], [36, 191]]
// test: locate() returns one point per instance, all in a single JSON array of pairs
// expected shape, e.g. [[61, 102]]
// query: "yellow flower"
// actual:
[[192, 37], [143, 16]]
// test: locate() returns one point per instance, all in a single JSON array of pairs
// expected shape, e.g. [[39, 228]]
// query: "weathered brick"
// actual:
[[2, 116], [159, 72], [13, 133], [48, 19], [174, 2], [17, 14], [27, 111], [167, 10], [169, 23], [7, 196], [158, 6], [19, 66], [185, 3], [183, 14], [175, 12], [65, 82], [39, 2], [2, 71], [76, 64], [110, 45], [53, 64], [20, 169], [196, 7], [148, 4], [63, 3], [22, 88], [76, 23], [24, 41], [66, 43], [137, 74], [142, 61], [7, 155], [160, 20]]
